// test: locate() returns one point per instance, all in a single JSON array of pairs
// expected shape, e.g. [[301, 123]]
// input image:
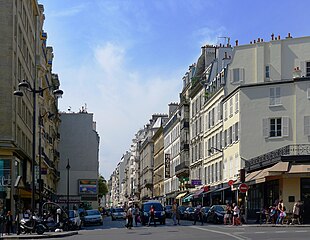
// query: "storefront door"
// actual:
[[305, 198]]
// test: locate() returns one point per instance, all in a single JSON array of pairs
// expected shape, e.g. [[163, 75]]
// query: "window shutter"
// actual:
[[215, 114], [266, 127], [228, 137], [308, 93], [272, 96], [241, 74], [285, 126], [307, 125], [231, 74], [233, 133]]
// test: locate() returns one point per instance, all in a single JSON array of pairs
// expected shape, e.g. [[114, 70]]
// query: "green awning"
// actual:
[[188, 198]]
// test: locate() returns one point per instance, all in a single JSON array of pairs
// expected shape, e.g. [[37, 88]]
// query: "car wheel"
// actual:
[[215, 220]]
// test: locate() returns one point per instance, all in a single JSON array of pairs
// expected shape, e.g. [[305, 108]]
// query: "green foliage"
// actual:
[[102, 186]]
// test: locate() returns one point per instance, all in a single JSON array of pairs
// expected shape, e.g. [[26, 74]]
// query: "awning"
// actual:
[[197, 193], [181, 195], [188, 198], [300, 168], [222, 189]]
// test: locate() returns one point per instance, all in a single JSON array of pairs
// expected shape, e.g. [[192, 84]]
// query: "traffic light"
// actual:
[[242, 175]]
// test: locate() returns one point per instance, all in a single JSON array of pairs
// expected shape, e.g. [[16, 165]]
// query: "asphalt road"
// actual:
[[115, 230]]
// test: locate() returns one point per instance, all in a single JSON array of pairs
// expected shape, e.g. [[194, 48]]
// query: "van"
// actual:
[[160, 215]]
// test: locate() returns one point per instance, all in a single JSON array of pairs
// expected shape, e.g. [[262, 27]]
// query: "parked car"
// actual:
[[168, 210], [160, 215], [181, 210], [189, 213], [75, 219], [216, 214], [93, 217], [204, 211], [118, 213]]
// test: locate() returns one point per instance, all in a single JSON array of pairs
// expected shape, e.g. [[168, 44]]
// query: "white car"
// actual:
[[118, 213], [74, 217]]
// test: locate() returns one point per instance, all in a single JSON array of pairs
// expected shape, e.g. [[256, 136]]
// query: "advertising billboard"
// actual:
[[88, 186]]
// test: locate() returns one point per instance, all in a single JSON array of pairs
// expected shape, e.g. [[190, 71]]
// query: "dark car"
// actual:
[[204, 211], [189, 213], [216, 214], [168, 210], [181, 210], [160, 214]]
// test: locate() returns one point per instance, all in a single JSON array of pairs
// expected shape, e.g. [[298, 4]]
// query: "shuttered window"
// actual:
[[275, 96], [307, 125], [276, 127]]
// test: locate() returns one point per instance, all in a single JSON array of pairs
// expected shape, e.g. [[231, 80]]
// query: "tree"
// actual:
[[102, 185]]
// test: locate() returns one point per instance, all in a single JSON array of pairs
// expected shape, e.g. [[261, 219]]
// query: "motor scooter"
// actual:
[[31, 225]]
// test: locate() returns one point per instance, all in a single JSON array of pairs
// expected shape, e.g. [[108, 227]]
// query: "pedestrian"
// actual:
[[236, 215], [152, 216], [228, 215], [9, 223], [137, 215], [296, 213], [178, 214], [197, 213], [129, 218], [174, 213], [282, 214]]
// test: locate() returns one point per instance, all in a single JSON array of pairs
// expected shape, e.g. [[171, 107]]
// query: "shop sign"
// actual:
[[167, 165]]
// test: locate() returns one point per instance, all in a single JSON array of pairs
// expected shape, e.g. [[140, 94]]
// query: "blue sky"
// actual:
[[125, 59]]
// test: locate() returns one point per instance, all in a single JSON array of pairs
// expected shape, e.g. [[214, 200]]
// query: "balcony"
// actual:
[[297, 153], [182, 168]]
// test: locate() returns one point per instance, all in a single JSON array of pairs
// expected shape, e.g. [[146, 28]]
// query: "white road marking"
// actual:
[[224, 233], [301, 231]]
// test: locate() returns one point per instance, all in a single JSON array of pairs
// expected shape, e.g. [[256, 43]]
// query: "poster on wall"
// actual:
[[87, 186]]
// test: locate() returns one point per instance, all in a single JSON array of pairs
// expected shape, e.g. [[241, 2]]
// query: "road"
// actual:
[[115, 230]]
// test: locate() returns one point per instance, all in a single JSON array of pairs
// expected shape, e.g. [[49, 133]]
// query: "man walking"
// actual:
[[152, 216], [174, 213]]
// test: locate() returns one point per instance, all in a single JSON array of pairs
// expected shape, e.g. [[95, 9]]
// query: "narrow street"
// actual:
[[115, 230]]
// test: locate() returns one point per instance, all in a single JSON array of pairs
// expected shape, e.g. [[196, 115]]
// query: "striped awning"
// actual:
[[181, 195]]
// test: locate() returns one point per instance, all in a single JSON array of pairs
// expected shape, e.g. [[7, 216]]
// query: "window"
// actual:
[[275, 96], [236, 131], [267, 71], [307, 125], [236, 75], [236, 102], [230, 107], [225, 111], [307, 69], [276, 127]]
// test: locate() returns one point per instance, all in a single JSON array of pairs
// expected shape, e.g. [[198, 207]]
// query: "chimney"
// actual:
[[262, 40], [258, 40], [254, 41], [251, 42], [289, 35], [236, 42], [272, 36], [279, 37]]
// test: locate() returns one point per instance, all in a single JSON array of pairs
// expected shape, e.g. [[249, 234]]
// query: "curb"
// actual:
[[36, 236]]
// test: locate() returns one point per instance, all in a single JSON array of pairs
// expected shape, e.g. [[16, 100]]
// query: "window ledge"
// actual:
[[276, 105]]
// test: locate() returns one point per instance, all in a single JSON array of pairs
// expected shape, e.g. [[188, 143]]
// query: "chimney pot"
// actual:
[[236, 42], [262, 40], [279, 37], [272, 36], [254, 41], [258, 40], [251, 42]]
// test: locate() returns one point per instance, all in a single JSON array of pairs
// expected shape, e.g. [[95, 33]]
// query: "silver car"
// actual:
[[93, 217], [118, 213]]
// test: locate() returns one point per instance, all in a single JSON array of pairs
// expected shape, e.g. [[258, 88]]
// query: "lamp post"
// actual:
[[68, 183], [25, 85]]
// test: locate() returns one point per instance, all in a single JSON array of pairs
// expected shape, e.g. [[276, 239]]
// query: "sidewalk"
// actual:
[[253, 223], [36, 236]]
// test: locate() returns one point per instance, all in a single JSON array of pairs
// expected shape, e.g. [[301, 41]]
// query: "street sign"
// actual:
[[243, 188], [230, 182], [196, 182]]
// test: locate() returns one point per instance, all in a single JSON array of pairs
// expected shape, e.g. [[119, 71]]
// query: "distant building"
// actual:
[[79, 144]]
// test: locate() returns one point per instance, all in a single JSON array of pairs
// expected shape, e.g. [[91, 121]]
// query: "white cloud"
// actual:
[[209, 35], [122, 99], [68, 12]]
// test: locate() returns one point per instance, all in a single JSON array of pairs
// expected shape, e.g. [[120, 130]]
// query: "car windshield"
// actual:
[[118, 210], [92, 212], [157, 207]]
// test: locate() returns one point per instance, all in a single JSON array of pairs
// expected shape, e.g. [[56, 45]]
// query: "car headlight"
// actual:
[[163, 213]]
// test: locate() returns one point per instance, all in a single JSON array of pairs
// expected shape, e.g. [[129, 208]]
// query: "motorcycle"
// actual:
[[31, 225]]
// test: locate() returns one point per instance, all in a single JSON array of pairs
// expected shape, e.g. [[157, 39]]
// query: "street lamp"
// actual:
[[25, 85], [68, 182]]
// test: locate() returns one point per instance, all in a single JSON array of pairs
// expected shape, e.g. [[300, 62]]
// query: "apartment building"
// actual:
[[25, 56], [171, 134], [79, 149]]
